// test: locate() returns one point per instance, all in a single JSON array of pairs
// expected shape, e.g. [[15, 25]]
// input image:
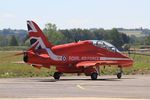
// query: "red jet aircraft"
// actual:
[[77, 57]]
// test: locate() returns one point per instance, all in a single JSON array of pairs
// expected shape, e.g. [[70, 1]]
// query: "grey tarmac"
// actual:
[[129, 87]]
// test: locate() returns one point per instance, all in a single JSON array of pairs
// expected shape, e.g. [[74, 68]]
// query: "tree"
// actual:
[[147, 40], [125, 38], [13, 41], [3, 40], [115, 38], [53, 35]]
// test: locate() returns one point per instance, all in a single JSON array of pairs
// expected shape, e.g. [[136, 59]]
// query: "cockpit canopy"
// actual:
[[104, 44]]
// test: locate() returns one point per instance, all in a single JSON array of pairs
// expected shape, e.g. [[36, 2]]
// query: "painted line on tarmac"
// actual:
[[79, 86]]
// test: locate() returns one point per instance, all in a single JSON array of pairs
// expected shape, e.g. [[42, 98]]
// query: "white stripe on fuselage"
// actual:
[[112, 58]]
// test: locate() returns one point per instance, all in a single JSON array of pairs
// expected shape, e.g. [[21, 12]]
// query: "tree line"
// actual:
[[10, 37]]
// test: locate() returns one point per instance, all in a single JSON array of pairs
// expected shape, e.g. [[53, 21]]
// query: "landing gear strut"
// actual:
[[119, 74], [94, 76], [57, 75]]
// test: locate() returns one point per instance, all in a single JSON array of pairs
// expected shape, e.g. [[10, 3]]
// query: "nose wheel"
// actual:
[[119, 74], [57, 75]]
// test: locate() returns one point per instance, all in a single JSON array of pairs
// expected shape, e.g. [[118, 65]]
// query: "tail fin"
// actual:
[[36, 35]]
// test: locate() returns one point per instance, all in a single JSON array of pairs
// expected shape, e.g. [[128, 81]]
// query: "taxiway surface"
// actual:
[[134, 86]]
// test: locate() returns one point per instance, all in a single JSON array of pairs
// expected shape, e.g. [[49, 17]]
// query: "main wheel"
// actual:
[[94, 76], [57, 75], [119, 75]]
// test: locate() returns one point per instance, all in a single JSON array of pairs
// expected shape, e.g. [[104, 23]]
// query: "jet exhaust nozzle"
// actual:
[[25, 58]]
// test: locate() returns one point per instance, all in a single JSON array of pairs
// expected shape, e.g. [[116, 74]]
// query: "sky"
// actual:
[[67, 14]]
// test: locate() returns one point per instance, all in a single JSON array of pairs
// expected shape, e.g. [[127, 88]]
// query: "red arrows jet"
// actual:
[[79, 57]]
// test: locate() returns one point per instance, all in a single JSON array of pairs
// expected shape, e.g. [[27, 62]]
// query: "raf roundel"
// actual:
[[64, 58]]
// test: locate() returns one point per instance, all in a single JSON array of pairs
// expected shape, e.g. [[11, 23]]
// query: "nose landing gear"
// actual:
[[95, 74], [119, 74]]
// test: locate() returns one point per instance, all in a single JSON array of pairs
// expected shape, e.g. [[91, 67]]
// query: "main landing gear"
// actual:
[[119, 74], [94, 76], [57, 75], [92, 71]]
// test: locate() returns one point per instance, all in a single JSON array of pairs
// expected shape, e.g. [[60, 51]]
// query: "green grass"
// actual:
[[9, 69]]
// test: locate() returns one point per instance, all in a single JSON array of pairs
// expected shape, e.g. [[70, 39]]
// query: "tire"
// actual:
[[57, 75], [94, 76], [119, 75]]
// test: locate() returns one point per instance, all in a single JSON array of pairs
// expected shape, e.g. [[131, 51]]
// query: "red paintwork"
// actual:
[[79, 57]]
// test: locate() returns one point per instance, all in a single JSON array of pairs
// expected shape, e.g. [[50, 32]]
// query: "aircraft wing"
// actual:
[[94, 63]]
